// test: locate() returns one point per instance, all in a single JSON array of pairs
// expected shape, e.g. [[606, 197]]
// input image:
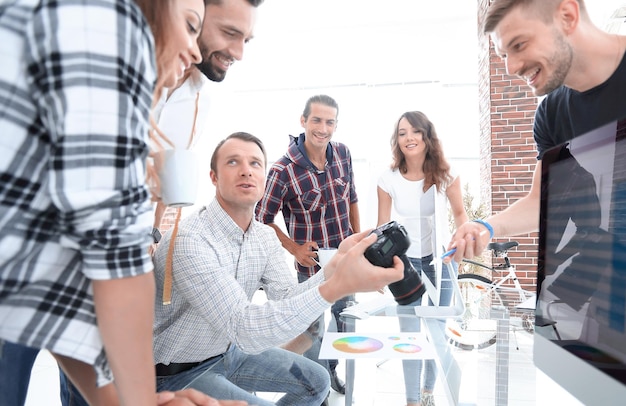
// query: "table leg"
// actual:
[[350, 367]]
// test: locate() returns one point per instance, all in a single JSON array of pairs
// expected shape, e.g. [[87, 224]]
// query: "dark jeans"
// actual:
[[16, 363], [70, 396], [413, 368]]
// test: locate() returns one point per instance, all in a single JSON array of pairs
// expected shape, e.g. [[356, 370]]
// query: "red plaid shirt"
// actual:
[[315, 204]]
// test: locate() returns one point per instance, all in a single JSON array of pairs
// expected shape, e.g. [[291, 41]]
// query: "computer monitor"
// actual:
[[580, 334]]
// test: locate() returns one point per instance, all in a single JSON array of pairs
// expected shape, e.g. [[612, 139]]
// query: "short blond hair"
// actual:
[[541, 9]]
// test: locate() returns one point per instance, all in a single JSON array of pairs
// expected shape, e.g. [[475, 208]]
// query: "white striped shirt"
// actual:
[[217, 269]]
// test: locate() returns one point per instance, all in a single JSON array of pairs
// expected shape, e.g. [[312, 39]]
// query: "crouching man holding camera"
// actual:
[[207, 333]]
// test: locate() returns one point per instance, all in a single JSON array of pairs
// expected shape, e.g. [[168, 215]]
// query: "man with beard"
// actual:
[[313, 185], [208, 334], [560, 53], [228, 26]]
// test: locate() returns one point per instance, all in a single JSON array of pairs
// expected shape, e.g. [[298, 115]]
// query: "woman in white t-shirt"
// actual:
[[418, 164]]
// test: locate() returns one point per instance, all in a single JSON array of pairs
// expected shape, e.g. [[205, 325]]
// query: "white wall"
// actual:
[[377, 61]]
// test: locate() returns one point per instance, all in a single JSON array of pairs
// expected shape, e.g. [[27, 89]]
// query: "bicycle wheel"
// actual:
[[474, 329]]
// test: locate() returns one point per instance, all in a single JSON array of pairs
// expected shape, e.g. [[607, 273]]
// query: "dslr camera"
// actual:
[[393, 240]]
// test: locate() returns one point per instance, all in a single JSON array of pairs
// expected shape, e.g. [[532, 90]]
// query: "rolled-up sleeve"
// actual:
[[272, 201], [94, 93]]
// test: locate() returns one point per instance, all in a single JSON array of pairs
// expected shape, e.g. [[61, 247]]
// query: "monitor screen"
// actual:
[[580, 335]]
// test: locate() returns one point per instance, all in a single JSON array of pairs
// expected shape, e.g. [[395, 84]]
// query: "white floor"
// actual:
[[383, 385]]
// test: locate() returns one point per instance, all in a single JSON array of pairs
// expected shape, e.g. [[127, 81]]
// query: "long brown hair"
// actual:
[[157, 14], [436, 168]]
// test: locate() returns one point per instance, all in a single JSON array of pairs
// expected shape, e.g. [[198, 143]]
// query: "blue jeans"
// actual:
[[70, 396], [316, 330], [16, 363], [234, 375], [413, 368]]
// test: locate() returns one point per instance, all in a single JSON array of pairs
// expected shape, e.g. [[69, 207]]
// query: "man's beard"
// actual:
[[562, 61], [210, 71]]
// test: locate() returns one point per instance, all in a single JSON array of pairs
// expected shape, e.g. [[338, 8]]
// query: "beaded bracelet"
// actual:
[[487, 225]]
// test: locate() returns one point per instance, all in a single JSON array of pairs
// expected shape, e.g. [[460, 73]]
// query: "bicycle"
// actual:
[[475, 329]]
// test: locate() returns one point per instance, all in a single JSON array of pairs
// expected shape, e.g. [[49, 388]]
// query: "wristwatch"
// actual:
[[156, 235]]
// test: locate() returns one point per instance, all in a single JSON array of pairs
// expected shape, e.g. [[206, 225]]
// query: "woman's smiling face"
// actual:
[[410, 140], [181, 44]]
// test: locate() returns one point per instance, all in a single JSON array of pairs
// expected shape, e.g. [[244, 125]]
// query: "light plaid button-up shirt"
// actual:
[[217, 269], [76, 83]]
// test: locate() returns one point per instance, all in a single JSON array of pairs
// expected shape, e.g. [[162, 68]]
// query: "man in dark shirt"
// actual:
[[560, 53]]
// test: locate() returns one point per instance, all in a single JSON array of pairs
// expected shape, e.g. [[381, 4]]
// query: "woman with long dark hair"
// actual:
[[418, 163]]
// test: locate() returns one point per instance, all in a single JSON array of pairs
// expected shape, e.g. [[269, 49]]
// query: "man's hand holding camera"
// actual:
[[393, 240], [349, 271]]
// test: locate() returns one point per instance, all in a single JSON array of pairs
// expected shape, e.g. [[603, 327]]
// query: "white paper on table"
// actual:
[[376, 345]]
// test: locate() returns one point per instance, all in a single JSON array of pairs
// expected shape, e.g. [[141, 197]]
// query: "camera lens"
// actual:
[[410, 288]]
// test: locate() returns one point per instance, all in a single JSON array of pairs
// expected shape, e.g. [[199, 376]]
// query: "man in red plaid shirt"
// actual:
[[313, 185]]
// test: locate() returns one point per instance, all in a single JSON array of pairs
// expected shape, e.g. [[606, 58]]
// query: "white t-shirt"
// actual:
[[175, 118], [417, 218], [175, 115]]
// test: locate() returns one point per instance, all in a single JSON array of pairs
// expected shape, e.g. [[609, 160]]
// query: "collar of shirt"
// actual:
[[222, 224], [298, 154]]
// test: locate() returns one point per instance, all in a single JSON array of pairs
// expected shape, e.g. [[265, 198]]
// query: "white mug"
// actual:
[[178, 176], [325, 254]]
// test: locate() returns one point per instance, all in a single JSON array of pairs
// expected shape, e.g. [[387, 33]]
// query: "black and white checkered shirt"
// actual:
[[76, 83]]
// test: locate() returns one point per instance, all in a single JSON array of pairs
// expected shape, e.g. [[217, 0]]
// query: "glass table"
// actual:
[[433, 321]]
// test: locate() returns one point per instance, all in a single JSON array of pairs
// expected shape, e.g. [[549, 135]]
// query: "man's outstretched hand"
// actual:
[[349, 271]]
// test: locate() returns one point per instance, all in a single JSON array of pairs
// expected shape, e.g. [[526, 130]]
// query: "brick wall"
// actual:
[[508, 157]]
